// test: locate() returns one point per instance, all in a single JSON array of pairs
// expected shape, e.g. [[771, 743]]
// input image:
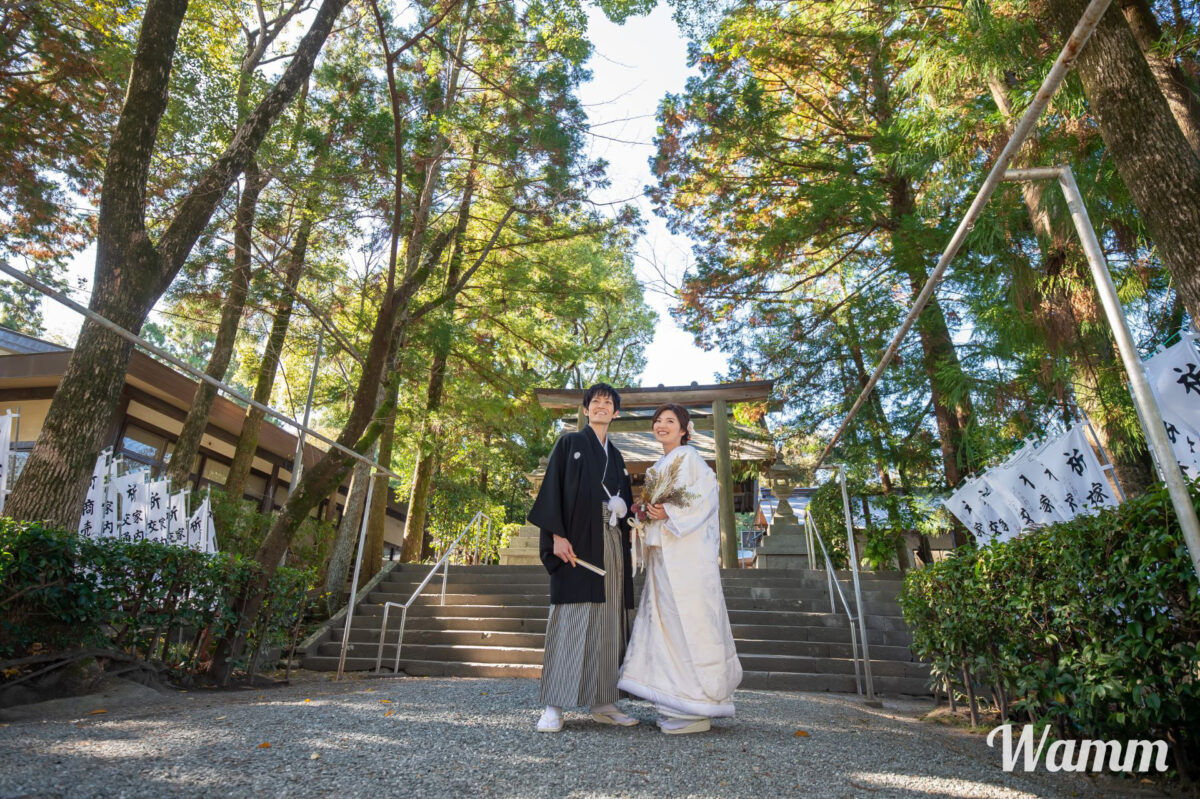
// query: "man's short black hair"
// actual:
[[602, 390]]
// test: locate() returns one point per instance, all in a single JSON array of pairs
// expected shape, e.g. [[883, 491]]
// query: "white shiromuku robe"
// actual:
[[681, 654]]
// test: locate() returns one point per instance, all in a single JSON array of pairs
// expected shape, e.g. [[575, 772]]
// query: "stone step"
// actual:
[[535, 640], [499, 625], [474, 611], [369, 626], [833, 683], [762, 599], [753, 679], [478, 637], [401, 591], [494, 619], [442, 653], [813, 619], [419, 668], [464, 575], [818, 649], [540, 612], [421, 569], [767, 661], [818, 665], [839, 634]]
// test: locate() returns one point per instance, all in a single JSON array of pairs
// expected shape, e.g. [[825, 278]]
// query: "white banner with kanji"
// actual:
[[6, 428]]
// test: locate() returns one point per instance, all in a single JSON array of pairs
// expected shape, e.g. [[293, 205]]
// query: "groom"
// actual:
[[580, 509]]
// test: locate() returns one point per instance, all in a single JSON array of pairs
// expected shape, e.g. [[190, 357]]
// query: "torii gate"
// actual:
[[709, 407]]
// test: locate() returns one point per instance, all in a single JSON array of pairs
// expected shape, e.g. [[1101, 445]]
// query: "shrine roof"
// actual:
[[652, 397]]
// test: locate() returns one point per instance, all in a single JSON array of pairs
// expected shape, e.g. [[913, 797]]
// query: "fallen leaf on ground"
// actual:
[[385, 701], [264, 745], [97, 711], [315, 756], [385, 715], [307, 700], [220, 718], [801, 734]]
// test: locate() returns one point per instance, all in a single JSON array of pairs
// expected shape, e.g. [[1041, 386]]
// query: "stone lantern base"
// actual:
[[785, 547], [522, 549]]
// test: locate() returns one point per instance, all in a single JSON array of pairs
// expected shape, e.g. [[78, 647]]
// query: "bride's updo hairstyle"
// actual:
[[681, 414]]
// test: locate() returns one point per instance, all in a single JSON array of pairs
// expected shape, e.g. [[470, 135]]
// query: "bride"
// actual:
[[681, 655]]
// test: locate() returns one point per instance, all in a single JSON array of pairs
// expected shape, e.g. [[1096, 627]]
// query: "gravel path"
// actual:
[[474, 737]]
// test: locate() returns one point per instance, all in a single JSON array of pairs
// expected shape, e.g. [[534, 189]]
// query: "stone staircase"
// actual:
[[494, 622]]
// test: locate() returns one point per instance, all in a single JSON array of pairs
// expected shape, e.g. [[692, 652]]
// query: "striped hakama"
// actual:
[[585, 641]]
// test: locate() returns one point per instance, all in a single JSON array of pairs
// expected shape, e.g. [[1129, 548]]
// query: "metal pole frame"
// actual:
[[858, 600], [443, 563], [853, 558], [362, 538], [1054, 79], [850, 616], [1144, 401]]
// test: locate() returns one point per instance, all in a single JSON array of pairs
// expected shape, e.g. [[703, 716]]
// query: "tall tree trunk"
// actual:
[[131, 272], [1179, 92], [247, 446], [362, 428], [877, 422], [418, 498], [377, 523], [1062, 302], [54, 481], [187, 446], [346, 543], [367, 417], [1151, 153], [952, 413], [939, 355], [427, 549]]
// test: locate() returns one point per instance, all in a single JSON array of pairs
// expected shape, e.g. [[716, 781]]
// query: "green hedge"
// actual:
[[59, 592], [1092, 625]]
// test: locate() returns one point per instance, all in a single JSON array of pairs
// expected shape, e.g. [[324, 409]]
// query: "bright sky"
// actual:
[[633, 67]]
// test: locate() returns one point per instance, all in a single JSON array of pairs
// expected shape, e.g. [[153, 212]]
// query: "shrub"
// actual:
[[59, 591], [1092, 625]]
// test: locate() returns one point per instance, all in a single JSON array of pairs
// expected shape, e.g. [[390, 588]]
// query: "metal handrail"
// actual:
[[810, 527], [443, 563]]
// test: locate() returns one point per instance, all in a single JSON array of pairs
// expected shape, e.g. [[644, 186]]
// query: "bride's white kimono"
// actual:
[[681, 654]]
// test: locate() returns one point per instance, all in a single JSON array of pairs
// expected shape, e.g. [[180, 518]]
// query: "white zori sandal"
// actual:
[[611, 714], [672, 726], [551, 720]]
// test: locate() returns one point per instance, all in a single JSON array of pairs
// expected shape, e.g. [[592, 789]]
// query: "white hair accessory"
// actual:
[[691, 429]]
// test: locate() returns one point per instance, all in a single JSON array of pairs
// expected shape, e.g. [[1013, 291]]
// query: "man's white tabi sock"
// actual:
[[551, 720]]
